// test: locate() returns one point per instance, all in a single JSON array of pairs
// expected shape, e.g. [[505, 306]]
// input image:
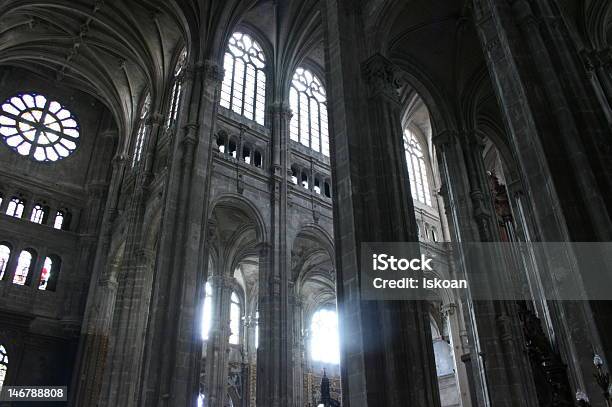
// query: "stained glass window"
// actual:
[[324, 338], [177, 89], [48, 274], [3, 365], [415, 159], [207, 312], [308, 103], [5, 255], [142, 130], [37, 127], [244, 84], [234, 338], [24, 265]]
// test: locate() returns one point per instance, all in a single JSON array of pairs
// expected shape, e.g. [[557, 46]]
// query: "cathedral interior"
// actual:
[[186, 185]]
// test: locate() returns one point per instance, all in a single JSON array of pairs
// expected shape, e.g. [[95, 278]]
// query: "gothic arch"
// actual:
[[239, 202]]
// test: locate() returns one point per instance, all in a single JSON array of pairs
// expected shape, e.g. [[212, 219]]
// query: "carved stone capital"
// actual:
[[382, 77], [213, 71], [280, 109]]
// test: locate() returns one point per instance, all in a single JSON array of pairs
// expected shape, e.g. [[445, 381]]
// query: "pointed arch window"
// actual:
[[308, 103], [24, 266], [15, 207], [324, 338], [177, 90], [39, 214], [415, 159], [207, 312], [244, 84], [142, 130], [234, 338], [49, 273], [3, 365], [5, 255]]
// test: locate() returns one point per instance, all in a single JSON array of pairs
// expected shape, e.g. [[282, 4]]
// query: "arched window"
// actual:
[[256, 329], [37, 127], [324, 339], [39, 214], [142, 130], [207, 312], [309, 106], [3, 365], [24, 265], [49, 273], [5, 255], [177, 89], [59, 220], [244, 83], [415, 159], [234, 338], [15, 207]]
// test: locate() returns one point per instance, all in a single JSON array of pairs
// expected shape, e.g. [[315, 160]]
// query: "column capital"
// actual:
[[209, 69], [382, 77], [443, 138], [213, 71], [281, 109]]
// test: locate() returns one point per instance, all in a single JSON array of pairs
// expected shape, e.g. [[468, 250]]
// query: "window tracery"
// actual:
[[244, 84], [15, 208], [37, 127], [308, 102], [39, 214]]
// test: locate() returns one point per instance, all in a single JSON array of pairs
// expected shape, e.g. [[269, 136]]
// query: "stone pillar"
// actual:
[[298, 351], [95, 330], [217, 349], [556, 127], [498, 366], [386, 350], [598, 64], [274, 359], [172, 364], [451, 313]]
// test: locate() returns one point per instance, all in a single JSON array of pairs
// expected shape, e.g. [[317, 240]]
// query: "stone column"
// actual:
[[556, 127], [598, 63], [274, 359], [172, 364], [386, 350], [497, 366], [217, 349], [95, 330], [451, 312], [298, 351]]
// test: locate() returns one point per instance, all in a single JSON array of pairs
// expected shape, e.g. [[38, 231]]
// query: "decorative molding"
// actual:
[[382, 77]]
